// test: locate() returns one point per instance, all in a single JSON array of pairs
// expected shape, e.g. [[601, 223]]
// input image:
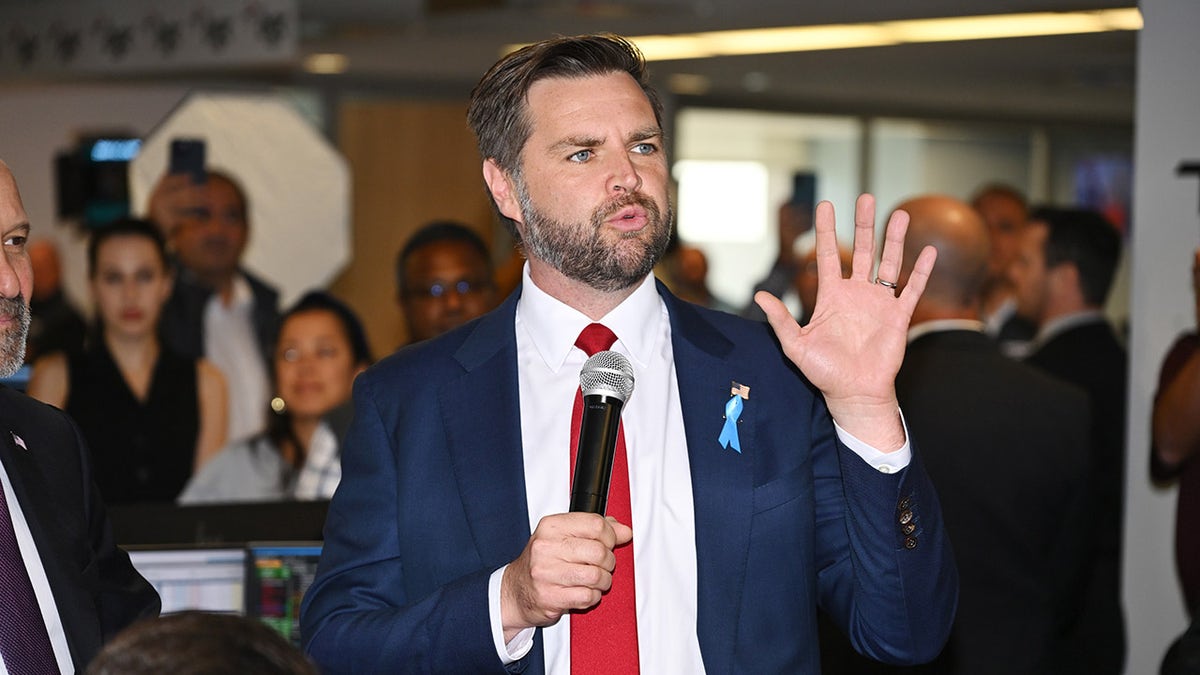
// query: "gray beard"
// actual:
[[12, 341], [580, 252]]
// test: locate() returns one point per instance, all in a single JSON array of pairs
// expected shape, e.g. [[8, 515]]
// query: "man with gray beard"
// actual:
[[65, 587], [759, 472]]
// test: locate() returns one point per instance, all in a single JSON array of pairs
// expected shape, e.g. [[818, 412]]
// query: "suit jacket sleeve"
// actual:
[[886, 572], [367, 612]]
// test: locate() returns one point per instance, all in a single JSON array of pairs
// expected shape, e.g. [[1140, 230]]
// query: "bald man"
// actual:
[[1006, 447], [68, 588]]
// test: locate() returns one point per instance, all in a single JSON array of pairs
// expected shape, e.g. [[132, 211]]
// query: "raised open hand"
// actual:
[[853, 346]]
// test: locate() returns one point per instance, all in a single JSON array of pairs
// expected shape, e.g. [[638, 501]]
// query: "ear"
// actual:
[[500, 185]]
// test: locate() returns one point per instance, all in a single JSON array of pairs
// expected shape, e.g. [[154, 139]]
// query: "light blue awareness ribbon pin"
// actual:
[[729, 434]]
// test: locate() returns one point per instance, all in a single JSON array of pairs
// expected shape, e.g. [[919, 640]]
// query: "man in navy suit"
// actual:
[[768, 472], [84, 589]]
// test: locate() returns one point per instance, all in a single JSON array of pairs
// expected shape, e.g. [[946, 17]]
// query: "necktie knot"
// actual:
[[595, 337]]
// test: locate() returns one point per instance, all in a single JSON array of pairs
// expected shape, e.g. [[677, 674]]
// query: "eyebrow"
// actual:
[[18, 228], [642, 134]]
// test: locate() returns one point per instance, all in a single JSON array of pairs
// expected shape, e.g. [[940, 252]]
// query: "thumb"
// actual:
[[777, 315], [624, 532]]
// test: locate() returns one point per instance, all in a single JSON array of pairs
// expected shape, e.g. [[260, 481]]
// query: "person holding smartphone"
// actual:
[[217, 309]]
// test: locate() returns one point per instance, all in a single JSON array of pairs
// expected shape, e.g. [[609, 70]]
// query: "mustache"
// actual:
[[14, 308], [609, 208]]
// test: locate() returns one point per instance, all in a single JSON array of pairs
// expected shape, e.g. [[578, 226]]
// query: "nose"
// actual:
[[10, 282], [624, 176]]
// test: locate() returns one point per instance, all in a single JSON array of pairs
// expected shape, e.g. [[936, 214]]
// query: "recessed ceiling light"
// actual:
[[326, 64]]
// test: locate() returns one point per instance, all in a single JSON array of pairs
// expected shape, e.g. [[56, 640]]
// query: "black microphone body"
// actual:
[[594, 455], [606, 383]]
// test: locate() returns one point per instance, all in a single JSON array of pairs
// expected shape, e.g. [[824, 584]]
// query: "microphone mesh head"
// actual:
[[607, 373]]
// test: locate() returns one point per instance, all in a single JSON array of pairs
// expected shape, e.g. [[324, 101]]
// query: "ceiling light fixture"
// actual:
[[882, 33], [326, 64]]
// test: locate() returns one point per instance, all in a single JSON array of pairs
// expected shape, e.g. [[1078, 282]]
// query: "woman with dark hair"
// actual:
[[320, 349], [150, 416]]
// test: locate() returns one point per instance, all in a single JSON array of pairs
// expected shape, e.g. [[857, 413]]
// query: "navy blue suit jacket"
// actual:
[[432, 501]]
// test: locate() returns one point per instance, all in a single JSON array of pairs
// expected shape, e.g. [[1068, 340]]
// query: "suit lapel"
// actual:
[[52, 537], [482, 416], [722, 479]]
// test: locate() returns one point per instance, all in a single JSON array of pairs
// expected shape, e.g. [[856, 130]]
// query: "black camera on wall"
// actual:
[[92, 179]]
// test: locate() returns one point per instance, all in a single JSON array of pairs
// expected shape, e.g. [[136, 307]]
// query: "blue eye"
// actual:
[[581, 156], [645, 148]]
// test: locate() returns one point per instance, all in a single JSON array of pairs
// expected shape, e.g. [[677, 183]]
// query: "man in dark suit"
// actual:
[[1007, 448], [447, 548], [56, 548], [1063, 273]]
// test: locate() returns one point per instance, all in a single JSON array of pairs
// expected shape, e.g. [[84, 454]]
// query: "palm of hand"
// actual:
[[852, 348]]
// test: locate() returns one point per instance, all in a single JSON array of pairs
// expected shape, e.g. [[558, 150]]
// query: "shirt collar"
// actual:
[[553, 326], [1065, 323], [940, 325]]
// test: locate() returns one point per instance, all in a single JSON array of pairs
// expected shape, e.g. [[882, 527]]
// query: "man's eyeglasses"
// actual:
[[439, 289]]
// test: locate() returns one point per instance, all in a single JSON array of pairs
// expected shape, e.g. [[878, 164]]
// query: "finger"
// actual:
[[917, 280], [893, 247], [864, 238], [825, 225]]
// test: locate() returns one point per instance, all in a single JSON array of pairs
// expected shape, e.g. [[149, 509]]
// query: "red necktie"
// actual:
[[604, 638], [23, 638]]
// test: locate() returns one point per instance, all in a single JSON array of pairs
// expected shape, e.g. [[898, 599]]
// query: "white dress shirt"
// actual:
[[37, 575], [664, 529], [231, 344]]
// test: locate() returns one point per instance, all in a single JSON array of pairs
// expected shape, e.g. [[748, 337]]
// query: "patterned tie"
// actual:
[[24, 642], [604, 638]]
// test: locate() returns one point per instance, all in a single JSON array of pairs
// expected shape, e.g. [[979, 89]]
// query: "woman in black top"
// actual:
[[150, 416]]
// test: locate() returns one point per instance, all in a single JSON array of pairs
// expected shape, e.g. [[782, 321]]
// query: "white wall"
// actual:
[[1165, 225], [36, 122]]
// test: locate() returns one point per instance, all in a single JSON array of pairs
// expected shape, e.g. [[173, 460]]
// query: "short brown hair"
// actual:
[[498, 113]]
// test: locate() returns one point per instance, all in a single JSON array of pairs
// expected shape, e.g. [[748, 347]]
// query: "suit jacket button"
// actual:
[[908, 528], [910, 542], [905, 517], [904, 504]]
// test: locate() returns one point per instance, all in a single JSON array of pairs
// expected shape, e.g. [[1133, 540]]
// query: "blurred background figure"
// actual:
[[322, 347], [1062, 276], [55, 326], [444, 278], [805, 281], [687, 269], [150, 415], [199, 643], [1019, 526], [1175, 430], [1004, 210], [217, 309], [793, 220]]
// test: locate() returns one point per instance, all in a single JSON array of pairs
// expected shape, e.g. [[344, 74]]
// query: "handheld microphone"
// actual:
[[606, 381]]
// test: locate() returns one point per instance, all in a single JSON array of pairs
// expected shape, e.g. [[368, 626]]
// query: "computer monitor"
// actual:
[[277, 576], [199, 578]]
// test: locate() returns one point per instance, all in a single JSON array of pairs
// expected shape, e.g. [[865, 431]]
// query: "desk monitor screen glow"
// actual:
[[277, 576], [208, 579]]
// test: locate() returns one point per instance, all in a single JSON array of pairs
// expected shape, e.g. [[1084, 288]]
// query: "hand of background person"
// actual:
[[173, 198], [567, 564], [852, 347]]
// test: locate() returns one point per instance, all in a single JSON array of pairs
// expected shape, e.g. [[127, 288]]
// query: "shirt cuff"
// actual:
[[883, 462], [523, 641]]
